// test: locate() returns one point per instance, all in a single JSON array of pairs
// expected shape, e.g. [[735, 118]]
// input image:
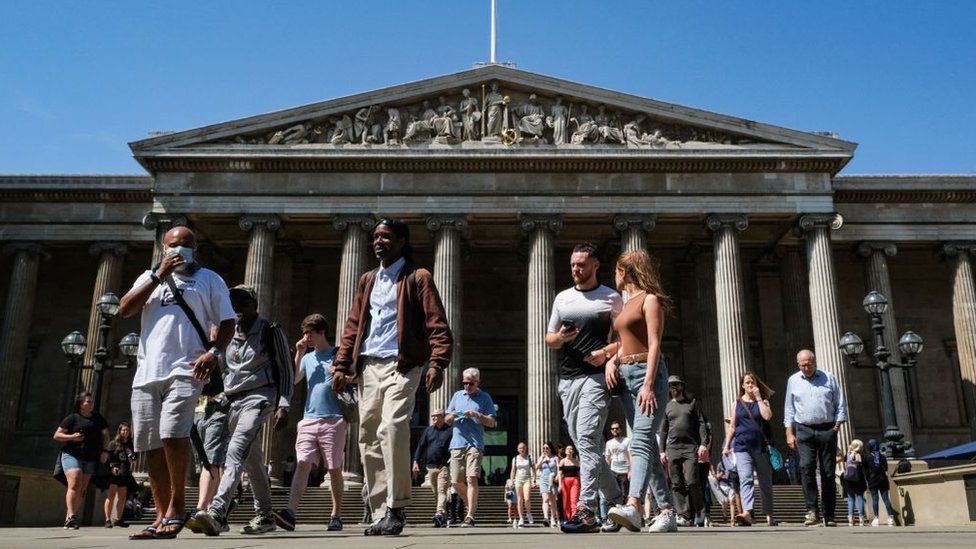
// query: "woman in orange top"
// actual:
[[640, 367]]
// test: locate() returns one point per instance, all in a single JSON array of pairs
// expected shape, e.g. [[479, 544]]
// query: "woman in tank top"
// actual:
[[639, 366], [569, 482], [546, 469], [746, 438], [523, 475]]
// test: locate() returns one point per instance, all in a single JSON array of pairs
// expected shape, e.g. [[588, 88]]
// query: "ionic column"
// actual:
[[259, 269], [108, 279], [17, 316], [823, 306], [711, 375], [964, 318], [355, 230], [542, 404], [283, 443], [447, 232], [161, 223], [876, 278], [633, 230], [798, 330], [733, 337]]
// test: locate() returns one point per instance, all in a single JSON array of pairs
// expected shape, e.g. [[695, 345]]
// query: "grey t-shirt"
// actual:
[[593, 312]]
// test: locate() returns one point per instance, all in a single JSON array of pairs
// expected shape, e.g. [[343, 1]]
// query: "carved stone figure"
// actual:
[[497, 105], [343, 132], [391, 133], [606, 128], [632, 131], [420, 128], [470, 116], [559, 122], [586, 128], [532, 118], [367, 127], [443, 125]]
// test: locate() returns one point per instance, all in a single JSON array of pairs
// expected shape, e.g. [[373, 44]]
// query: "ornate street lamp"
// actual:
[[910, 345], [74, 345]]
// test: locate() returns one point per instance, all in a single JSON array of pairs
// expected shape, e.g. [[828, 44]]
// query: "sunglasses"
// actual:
[[466, 383]]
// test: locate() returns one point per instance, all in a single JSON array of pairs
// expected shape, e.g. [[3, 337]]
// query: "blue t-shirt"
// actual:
[[321, 400], [468, 431]]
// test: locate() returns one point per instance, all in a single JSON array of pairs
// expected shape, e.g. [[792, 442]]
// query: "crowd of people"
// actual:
[[212, 372]]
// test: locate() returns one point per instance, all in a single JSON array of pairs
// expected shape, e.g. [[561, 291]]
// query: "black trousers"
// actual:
[[683, 469], [817, 446]]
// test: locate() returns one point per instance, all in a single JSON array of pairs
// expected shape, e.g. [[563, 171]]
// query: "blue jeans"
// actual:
[[748, 464], [875, 492], [646, 471], [859, 497]]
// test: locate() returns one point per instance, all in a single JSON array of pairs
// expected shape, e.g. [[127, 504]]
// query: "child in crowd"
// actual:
[[510, 501]]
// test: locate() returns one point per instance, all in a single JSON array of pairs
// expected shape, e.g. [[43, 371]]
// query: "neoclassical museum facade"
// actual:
[[765, 246]]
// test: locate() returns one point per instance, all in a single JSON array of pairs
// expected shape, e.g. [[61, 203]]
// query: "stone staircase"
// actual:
[[316, 506]]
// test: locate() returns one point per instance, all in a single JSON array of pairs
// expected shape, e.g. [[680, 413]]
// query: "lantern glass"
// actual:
[[910, 344], [73, 345], [875, 303], [851, 345], [108, 304], [129, 345]]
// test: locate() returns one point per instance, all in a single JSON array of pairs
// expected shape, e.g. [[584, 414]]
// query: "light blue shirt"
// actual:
[[469, 431], [814, 401], [321, 400], [381, 342]]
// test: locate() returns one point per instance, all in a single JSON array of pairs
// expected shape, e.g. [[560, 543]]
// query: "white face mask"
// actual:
[[187, 254]]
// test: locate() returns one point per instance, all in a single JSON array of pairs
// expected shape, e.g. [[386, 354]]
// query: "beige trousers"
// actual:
[[385, 405], [440, 481]]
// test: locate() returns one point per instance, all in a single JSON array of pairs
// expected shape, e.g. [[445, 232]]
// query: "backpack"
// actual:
[[852, 469]]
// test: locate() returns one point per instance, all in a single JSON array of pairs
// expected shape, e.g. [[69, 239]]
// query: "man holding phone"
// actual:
[[580, 327]]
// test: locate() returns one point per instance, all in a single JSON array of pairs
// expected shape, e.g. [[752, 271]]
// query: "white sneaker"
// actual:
[[708, 521], [875, 523], [850, 520], [891, 520], [626, 516], [683, 522], [530, 519], [514, 523], [521, 523], [664, 522]]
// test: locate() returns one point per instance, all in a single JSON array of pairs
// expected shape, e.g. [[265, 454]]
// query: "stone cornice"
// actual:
[[904, 196], [75, 195]]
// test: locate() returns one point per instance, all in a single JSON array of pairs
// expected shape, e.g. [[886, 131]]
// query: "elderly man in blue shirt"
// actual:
[[470, 411], [814, 411]]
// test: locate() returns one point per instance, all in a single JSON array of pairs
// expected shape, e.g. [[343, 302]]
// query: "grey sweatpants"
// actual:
[[585, 405], [244, 420]]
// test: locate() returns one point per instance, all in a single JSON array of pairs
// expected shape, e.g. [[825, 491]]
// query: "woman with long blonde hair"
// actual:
[[638, 362]]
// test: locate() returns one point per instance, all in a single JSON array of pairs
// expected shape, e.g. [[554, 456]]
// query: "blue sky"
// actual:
[[80, 79]]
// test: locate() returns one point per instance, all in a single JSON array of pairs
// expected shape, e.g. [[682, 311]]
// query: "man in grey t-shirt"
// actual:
[[580, 328]]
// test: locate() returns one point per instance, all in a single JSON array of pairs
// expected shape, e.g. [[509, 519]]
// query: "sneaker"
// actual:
[[583, 522], [71, 523], [891, 520], [830, 523], [514, 523], [438, 520], [193, 523], [683, 522], [708, 522], [609, 526], [875, 523], [260, 524], [520, 523], [120, 523], [211, 522], [665, 521], [529, 518], [335, 524], [284, 518], [108, 524], [850, 520], [626, 516], [811, 519], [469, 522]]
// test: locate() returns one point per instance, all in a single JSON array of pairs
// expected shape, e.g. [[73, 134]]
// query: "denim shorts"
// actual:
[[69, 462]]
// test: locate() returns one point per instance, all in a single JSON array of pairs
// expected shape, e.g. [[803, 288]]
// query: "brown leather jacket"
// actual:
[[422, 331]]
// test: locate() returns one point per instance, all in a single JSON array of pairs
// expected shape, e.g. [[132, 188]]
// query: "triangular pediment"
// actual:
[[504, 108]]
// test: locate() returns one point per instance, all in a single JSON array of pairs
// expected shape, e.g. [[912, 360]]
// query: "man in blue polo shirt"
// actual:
[[470, 411]]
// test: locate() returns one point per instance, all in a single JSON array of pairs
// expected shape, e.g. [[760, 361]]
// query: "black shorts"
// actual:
[[120, 480]]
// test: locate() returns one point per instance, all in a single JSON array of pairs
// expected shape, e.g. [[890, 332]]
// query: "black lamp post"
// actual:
[[74, 346], [910, 345]]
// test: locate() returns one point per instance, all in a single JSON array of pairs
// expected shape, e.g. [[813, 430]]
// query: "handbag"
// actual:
[[349, 400], [59, 471], [775, 457]]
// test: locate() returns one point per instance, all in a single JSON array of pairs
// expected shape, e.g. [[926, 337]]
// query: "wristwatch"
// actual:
[[155, 278], [215, 352]]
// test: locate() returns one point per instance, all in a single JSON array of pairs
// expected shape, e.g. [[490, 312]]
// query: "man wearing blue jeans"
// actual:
[[580, 327], [814, 411]]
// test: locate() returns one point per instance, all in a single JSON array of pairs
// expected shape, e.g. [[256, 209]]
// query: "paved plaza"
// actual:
[[753, 538]]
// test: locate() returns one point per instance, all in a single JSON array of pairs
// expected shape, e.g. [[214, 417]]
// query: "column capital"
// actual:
[[458, 222], [739, 222], [117, 249], [531, 222], [956, 247], [155, 220], [869, 247], [625, 221], [249, 221], [344, 221], [809, 222], [32, 249]]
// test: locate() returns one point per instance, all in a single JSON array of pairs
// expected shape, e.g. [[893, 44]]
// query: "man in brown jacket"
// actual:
[[396, 324]]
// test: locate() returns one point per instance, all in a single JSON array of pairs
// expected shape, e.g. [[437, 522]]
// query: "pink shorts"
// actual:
[[321, 436]]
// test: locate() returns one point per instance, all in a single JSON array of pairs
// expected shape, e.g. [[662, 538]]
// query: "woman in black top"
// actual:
[[876, 468], [121, 458], [84, 434]]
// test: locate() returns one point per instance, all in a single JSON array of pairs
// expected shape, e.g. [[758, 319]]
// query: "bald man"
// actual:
[[175, 358], [814, 411]]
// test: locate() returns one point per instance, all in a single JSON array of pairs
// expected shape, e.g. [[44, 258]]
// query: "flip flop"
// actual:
[[149, 532], [172, 521]]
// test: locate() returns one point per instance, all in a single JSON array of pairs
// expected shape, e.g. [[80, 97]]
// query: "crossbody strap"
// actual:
[[171, 284], [753, 418]]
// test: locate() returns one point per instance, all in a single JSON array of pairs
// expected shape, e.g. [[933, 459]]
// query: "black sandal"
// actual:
[[149, 532], [172, 521]]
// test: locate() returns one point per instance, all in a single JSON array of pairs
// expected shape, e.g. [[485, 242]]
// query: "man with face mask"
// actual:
[[258, 383], [173, 363]]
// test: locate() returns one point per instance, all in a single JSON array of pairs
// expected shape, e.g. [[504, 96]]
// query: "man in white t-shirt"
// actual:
[[173, 362], [617, 455]]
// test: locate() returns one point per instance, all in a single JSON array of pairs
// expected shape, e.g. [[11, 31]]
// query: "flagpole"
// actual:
[[494, 12]]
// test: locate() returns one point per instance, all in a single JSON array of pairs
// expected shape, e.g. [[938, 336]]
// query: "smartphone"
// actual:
[[570, 325]]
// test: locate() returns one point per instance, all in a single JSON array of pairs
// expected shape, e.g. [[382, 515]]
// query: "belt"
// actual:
[[632, 359]]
